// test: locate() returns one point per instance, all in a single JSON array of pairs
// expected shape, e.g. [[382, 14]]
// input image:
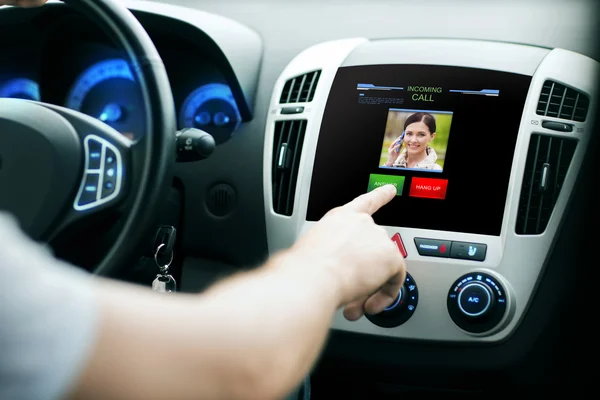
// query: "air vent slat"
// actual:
[[559, 101], [298, 97], [278, 144], [300, 89], [278, 183], [548, 160], [292, 88], [313, 85], [287, 151], [558, 177], [286, 91], [531, 179]]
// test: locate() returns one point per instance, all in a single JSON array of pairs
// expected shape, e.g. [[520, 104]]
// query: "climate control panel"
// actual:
[[477, 302]]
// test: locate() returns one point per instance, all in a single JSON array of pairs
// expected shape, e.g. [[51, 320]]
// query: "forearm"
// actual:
[[279, 321], [251, 336]]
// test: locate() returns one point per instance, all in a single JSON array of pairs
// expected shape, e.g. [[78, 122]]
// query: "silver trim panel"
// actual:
[[516, 261]]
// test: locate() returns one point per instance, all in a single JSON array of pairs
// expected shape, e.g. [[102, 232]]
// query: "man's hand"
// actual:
[[22, 3], [360, 254]]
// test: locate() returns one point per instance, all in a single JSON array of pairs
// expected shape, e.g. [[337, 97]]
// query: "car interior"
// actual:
[[171, 144]]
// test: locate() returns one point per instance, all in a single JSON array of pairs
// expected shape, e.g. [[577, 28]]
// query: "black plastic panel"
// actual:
[[548, 162], [557, 100], [300, 89], [287, 151], [541, 357]]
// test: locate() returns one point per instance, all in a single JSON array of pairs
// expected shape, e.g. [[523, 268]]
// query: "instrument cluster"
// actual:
[[96, 78]]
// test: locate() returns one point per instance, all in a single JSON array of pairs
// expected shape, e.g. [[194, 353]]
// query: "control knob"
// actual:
[[477, 302], [401, 309]]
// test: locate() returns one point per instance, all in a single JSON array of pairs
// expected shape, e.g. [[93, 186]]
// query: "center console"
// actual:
[[483, 141]]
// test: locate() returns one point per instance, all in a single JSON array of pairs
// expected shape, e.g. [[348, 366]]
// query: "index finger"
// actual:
[[372, 201]]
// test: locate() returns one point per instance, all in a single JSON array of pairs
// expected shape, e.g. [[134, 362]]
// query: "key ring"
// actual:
[[163, 268]]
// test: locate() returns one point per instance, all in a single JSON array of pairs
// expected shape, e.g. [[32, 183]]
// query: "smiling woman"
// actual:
[[416, 139]]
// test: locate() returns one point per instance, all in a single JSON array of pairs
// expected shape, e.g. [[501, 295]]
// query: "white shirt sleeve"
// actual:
[[48, 319]]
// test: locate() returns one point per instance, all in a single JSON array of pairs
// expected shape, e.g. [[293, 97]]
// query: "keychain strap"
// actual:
[[164, 269]]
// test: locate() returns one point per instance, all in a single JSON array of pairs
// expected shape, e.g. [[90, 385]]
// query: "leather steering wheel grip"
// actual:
[[157, 147]]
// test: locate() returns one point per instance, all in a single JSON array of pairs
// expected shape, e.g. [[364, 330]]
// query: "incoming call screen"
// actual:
[[444, 136]]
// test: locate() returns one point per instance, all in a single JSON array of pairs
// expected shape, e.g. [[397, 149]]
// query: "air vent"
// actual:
[[300, 89], [287, 149], [559, 101], [547, 164]]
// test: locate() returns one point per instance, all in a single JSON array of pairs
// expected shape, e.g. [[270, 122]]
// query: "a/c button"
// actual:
[[474, 299]]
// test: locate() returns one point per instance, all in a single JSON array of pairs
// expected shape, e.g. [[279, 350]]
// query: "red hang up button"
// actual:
[[428, 188]]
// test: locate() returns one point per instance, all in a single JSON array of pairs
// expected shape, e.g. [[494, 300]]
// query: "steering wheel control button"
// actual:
[[107, 189], [103, 175], [474, 299], [90, 189], [94, 155], [110, 158], [433, 247], [401, 309], [477, 302], [468, 251], [398, 240]]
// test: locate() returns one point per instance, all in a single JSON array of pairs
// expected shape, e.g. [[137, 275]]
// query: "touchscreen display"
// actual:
[[444, 136]]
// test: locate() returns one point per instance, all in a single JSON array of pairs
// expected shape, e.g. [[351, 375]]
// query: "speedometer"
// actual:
[[20, 88], [108, 91], [211, 108]]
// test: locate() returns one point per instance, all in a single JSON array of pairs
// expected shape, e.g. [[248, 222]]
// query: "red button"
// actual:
[[398, 240], [428, 188]]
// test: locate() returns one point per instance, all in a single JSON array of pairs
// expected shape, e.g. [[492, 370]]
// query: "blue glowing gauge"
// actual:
[[213, 109], [108, 91], [20, 88]]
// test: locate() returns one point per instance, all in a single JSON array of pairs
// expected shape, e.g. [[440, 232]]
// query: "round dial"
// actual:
[[20, 88], [401, 309], [108, 91], [477, 302], [475, 299], [213, 109]]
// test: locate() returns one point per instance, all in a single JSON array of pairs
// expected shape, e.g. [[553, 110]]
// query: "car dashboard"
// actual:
[[60, 58], [475, 228], [491, 226]]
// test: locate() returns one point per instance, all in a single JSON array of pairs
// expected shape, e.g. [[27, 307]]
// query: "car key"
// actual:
[[164, 282]]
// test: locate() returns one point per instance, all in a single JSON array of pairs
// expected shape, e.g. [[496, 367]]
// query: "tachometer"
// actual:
[[20, 88], [108, 91], [213, 109]]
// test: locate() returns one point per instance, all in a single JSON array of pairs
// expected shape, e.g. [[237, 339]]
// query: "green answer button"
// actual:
[[377, 180]]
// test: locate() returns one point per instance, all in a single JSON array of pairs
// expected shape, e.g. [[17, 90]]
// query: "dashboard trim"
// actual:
[[242, 46], [516, 261]]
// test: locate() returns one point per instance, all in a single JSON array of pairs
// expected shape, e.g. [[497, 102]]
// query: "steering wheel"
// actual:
[[59, 167]]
